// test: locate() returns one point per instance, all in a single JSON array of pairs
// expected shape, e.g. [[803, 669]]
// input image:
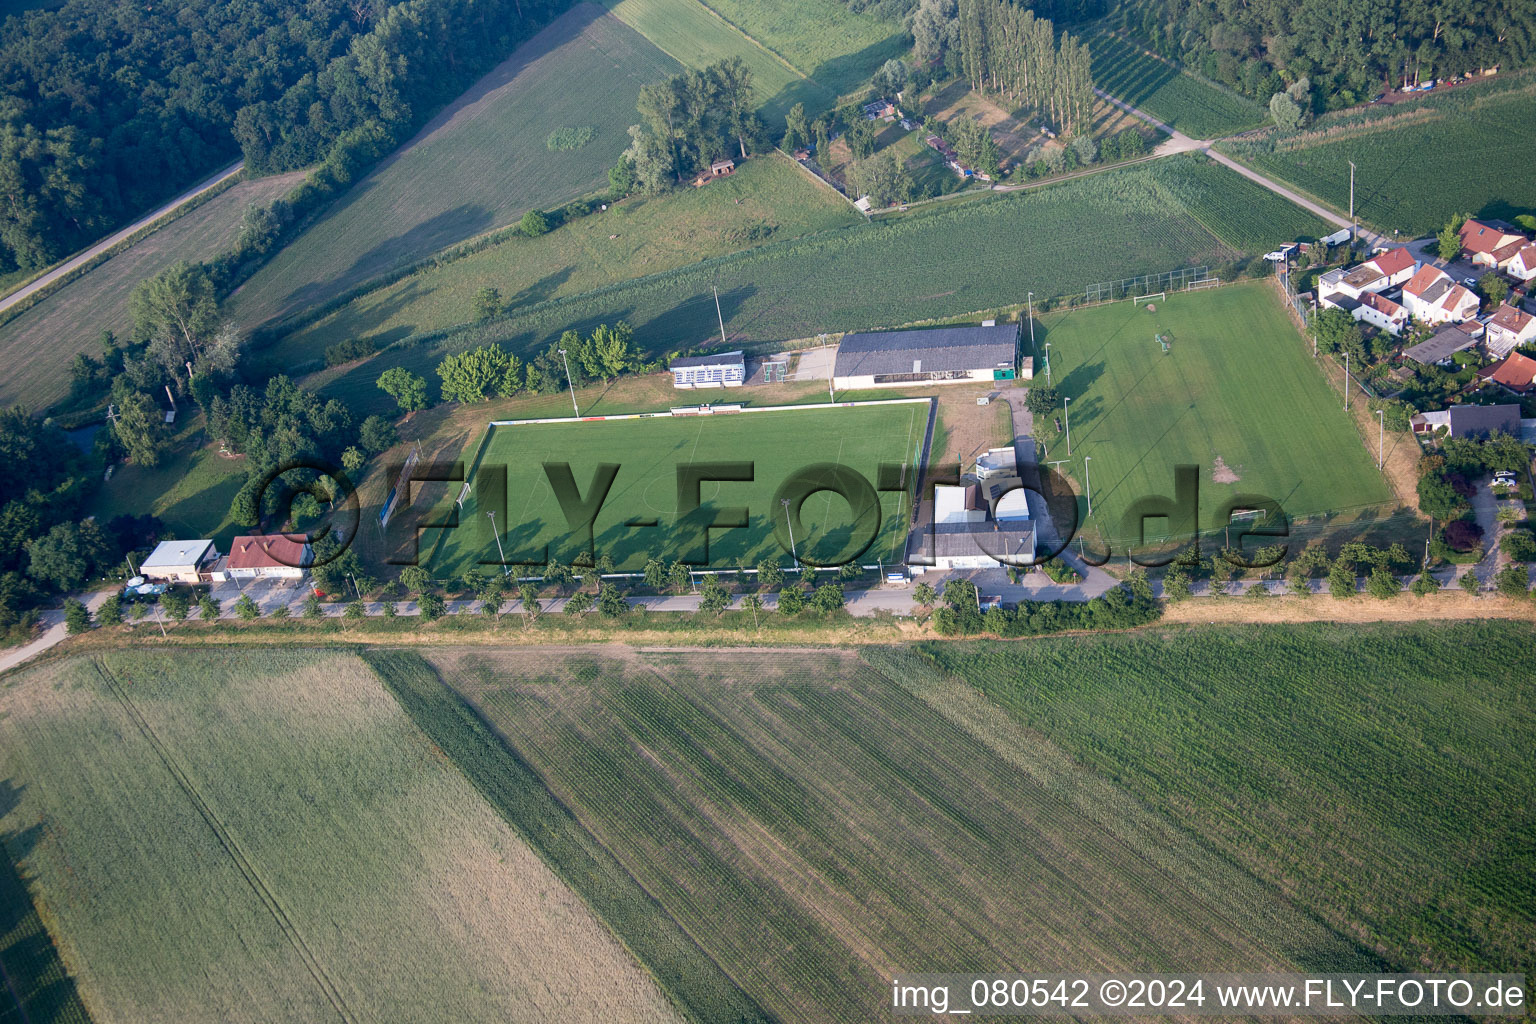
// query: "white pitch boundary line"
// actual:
[[670, 415]]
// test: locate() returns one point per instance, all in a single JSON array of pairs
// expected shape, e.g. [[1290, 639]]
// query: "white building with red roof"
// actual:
[[1380, 311], [1430, 296], [1523, 266], [1508, 330], [1384, 271], [271, 556], [1490, 243]]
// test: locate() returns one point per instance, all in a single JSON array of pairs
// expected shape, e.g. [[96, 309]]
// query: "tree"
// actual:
[[353, 459], [1469, 583], [1138, 583], [247, 608], [528, 595], [656, 574], [610, 601], [578, 603], [1512, 581], [208, 608], [407, 389], [1086, 149], [67, 555], [1042, 399], [178, 309], [797, 132], [679, 578], [415, 579], [1448, 242], [923, 594], [377, 434], [791, 600], [488, 305], [354, 610], [881, 179], [312, 607], [1176, 585], [1341, 579], [1285, 112], [891, 78], [139, 425], [473, 376], [77, 617], [1381, 584], [621, 178], [770, 574], [558, 575], [1334, 330], [432, 606], [534, 224], [1424, 584], [828, 597], [176, 604], [111, 611], [714, 598], [1494, 288]]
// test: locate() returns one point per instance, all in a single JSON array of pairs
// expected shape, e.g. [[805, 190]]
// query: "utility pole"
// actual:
[[1088, 480], [569, 381], [719, 315], [170, 396], [1346, 382], [792, 552], [1047, 364], [1031, 302], [1354, 228], [1065, 411], [505, 568]]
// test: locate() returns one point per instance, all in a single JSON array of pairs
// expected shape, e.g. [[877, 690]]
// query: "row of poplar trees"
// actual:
[[1006, 50]]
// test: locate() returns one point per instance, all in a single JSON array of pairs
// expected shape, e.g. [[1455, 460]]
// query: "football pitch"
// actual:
[[1233, 394], [760, 455]]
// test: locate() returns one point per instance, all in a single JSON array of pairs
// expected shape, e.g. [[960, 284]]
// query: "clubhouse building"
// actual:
[[943, 355]]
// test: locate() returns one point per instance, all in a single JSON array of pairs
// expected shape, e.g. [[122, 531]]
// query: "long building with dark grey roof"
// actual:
[[943, 355]]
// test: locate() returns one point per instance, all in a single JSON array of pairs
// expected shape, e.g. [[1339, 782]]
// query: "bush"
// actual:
[[1519, 545], [579, 603], [312, 609], [432, 606], [350, 350], [247, 609], [1469, 582], [1341, 580], [1462, 535], [111, 613], [1424, 584], [1382, 584], [534, 224], [1512, 581], [791, 600]]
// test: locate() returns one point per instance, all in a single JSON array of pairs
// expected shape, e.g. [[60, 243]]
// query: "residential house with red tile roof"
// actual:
[[1523, 266], [271, 556], [1515, 371], [1430, 296], [1508, 330], [1490, 243]]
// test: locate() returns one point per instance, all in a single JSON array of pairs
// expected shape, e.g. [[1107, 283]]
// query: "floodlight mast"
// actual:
[[506, 570], [1067, 412], [570, 382], [787, 522]]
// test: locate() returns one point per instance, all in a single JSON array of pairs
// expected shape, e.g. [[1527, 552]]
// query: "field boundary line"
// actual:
[[770, 51], [669, 414], [227, 840]]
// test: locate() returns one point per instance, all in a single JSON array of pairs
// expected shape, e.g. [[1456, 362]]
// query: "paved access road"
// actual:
[[102, 246]]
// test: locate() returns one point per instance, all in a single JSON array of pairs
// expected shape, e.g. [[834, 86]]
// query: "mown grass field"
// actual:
[[37, 346], [767, 199], [695, 37], [259, 836], [481, 163], [1237, 385], [1393, 188], [825, 40], [1193, 106], [649, 453], [940, 261], [190, 491], [817, 826], [1380, 776]]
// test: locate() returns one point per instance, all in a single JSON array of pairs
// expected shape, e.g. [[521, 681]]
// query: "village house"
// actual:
[[274, 556], [1380, 311], [1440, 349], [1387, 270], [1490, 243], [1430, 296], [1523, 266], [1515, 372], [1470, 421], [1508, 329], [181, 561]]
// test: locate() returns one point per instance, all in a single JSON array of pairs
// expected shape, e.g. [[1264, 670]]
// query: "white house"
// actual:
[[958, 505], [716, 370], [1430, 296], [1387, 270], [1380, 311], [1523, 266], [180, 561], [965, 537], [1490, 243], [278, 556], [1508, 329], [997, 462]]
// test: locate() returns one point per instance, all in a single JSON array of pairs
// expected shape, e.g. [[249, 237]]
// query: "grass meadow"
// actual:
[[1236, 385], [824, 39], [37, 985], [816, 827], [1393, 189], [1380, 776], [696, 37], [1192, 105], [767, 199], [37, 347], [265, 835], [479, 164], [940, 261], [649, 452]]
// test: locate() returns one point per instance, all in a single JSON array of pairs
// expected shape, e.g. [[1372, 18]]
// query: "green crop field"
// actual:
[[1236, 395], [817, 827], [824, 39], [36, 985], [940, 261], [1393, 190], [1192, 105], [695, 37], [481, 163], [649, 452], [264, 835], [1378, 775], [37, 346], [767, 199]]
